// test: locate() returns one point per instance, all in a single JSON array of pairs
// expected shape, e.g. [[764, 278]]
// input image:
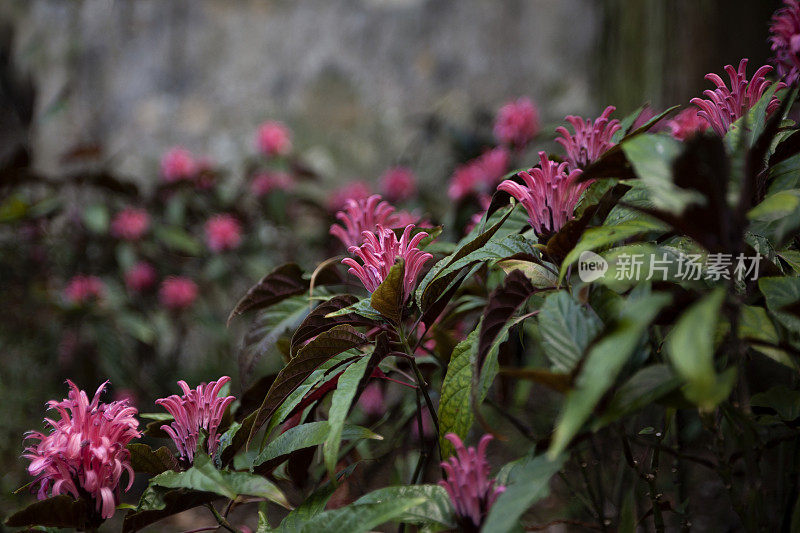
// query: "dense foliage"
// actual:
[[622, 318]]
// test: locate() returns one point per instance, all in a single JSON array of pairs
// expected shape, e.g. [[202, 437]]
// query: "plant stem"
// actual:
[[220, 519]]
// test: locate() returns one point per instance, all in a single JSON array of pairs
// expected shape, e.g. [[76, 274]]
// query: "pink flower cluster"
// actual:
[[266, 182], [141, 277], [177, 293], [85, 451], [785, 40], [517, 123], [273, 138], [198, 409], [468, 484], [359, 216], [724, 106], [379, 253], [398, 184], [687, 123], [480, 175], [84, 289], [223, 232], [130, 224], [549, 194], [590, 140], [178, 164]]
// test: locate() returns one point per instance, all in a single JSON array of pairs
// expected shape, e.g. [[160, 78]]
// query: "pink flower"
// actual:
[[355, 190], [177, 293], [130, 224], [273, 138], [178, 164], [724, 106], [266, 182], [517, 122], [398, 183], [140, 277], [468, 484], [687, 123], [84, 289], [480, 175], [85, 451], [590, 140], [198, 409], [549, 194], [359, 216], [223, 232], [379, 253], [785, 40], [464, 181], [371, 400]]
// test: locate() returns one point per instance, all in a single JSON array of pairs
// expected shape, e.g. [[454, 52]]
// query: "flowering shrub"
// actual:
[[629, 333]]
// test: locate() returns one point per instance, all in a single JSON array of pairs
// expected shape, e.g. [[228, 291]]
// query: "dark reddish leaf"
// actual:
[[176, 501], [503, 303], [316, 323], [251, 398], [283, 282], [328, 344], [145, 460], [153, 429], [58, 511]]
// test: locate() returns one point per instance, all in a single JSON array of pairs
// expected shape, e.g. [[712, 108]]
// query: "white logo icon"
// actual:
[[591, 266]]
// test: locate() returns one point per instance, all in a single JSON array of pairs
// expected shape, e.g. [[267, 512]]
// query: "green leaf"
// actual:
[[146, 460], [601, 236], [755, 324], [427, 291], [652, 157], [58, 511], [315, 503], [642, 389], [203, 476], [436, 506], [455, 411], [784, 401], [537, 274], [337, 340], [781, 292], [690, 347], [283, 282], [387, 299], [359, 518], [529, 482], [178, 239], [341, 401], [308, 435], [362, 307], [96, 218], [603, 363], [778, 216], [567, 329]]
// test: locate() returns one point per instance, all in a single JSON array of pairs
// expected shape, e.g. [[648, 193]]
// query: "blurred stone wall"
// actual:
[[355, 79]]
